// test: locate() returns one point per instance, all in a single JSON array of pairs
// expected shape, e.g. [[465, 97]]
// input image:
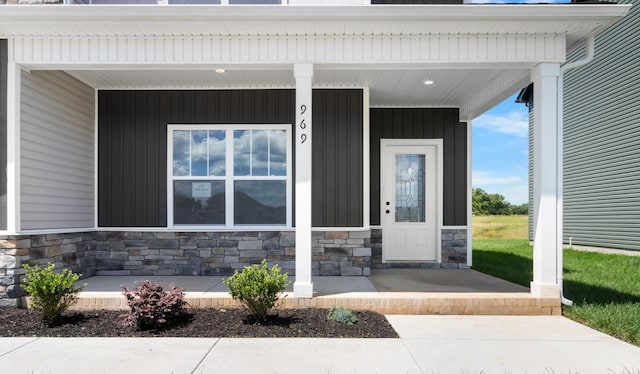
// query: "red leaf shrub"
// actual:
[[153, 308]]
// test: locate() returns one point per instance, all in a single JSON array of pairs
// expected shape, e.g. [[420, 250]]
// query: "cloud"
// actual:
[[485, 178], [496, 180], [515, 189], [516, 194], [511, 123]]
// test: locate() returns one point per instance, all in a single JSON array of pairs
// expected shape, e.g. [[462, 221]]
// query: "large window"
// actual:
[[229, 176]]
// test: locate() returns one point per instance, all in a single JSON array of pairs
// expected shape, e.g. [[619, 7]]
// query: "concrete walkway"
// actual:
[[428, 344]]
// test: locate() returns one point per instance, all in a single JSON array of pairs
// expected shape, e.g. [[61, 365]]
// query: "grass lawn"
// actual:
[[509, 259], [500, 227], [605, 288]]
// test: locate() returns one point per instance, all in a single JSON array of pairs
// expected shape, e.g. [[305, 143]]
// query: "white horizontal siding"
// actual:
[[57, 152], [602, 141], [317, 48]]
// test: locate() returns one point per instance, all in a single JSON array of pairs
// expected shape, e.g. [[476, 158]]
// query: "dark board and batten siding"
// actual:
[[425, 123], [132, 153], [3, 133], [337, 158], [602, 140], [132, 142]]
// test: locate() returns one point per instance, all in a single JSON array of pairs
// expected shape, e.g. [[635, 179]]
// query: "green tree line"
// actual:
[[485, 204]]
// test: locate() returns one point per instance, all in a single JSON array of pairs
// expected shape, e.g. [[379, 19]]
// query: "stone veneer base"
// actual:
[[454, 252], [335, 253]]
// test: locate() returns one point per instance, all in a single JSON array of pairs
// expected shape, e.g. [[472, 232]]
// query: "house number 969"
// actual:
[[303, 125]]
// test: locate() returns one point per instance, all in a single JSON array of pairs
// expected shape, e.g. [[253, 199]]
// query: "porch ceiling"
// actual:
[[387, 87]]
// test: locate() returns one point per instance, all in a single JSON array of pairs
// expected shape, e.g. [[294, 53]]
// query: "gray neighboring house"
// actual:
[[601, 141]]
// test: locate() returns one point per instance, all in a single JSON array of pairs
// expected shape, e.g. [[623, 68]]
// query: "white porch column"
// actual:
[[547, 171], [303, 73]]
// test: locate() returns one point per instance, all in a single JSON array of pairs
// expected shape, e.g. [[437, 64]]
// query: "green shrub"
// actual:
[[258, 288], [51, 293], [151, 307], [342, 315]]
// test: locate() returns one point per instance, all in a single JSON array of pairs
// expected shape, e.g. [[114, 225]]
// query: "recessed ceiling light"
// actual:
[[428, 82], [220, 71]]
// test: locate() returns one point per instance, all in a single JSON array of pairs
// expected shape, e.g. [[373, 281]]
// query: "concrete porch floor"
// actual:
[[388, 291]]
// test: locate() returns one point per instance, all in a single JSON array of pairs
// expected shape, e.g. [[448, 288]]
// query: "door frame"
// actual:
[[438, 144]]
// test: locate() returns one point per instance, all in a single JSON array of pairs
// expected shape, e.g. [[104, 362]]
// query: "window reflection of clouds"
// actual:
[[199, 152], [241, 152], [217, 149], [195, 151], [260, 152], [181, 153], [278, 149]]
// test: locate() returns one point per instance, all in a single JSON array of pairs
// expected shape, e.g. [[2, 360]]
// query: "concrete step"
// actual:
[[382, 302]]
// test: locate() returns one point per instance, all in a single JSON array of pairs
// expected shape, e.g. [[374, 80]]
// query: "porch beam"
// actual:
[[546, 171], [303, 74], [331, 51]]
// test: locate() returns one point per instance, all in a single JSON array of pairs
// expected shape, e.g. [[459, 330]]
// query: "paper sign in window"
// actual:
[[201, 189]]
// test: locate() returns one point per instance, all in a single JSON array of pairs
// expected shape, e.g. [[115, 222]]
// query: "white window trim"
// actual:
[[229, 178]]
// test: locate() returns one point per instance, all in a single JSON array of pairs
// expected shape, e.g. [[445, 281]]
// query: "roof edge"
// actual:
[[144, 13]]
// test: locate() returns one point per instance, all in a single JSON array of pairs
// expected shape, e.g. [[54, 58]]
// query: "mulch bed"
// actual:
[[218, 323]]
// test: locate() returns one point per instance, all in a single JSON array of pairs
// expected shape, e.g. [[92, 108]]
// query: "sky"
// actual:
[[500, 151], [500, 143]]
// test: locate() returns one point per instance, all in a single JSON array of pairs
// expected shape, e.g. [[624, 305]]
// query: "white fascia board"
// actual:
[[149, 20], [134, 13]]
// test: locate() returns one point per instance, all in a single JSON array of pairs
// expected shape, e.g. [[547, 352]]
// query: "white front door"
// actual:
[[410, 194]]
